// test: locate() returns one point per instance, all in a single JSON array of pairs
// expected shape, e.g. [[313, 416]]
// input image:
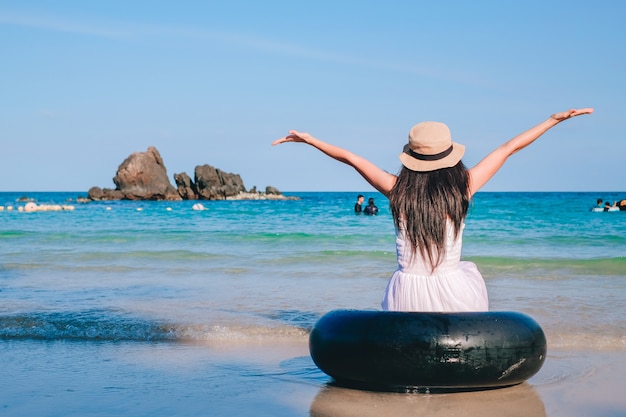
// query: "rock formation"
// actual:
[[186, 188], [215, 184], [272, 190], [142, 176]]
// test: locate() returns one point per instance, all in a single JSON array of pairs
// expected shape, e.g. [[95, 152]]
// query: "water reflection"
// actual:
[[520, 400]]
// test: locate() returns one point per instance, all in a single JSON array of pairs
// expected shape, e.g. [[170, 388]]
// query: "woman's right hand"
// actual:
[[378, 178], [294, 136], [564, 115]]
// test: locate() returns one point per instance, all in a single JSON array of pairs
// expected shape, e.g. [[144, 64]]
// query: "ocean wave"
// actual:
[[104, 325], [12, 234], [565, 267]]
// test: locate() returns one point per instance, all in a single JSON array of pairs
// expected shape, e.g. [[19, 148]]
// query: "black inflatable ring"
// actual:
[[398, 351]]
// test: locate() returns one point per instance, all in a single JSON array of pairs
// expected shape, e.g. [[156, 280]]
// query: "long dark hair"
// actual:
[[421, 204]]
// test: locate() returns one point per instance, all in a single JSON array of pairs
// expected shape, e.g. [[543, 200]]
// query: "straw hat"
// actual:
[[430, 147]]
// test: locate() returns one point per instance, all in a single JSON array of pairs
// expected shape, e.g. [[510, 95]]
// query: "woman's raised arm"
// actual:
[[376, 177], [486, 169]]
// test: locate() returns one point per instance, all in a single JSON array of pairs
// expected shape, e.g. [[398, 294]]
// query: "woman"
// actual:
[[429, 200]]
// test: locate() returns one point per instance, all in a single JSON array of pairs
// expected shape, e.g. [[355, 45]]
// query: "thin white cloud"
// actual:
[[57, 24], [121, 31], [313, 54]]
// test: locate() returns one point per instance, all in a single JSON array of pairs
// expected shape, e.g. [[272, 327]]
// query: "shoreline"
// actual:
[[278, 380]]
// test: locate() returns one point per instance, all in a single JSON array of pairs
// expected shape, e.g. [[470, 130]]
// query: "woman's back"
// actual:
[[412, 263], [453, 285]]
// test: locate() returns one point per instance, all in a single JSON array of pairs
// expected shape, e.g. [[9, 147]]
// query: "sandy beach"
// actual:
[[264, 379]]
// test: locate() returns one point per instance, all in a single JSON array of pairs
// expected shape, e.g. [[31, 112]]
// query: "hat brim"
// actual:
[[448, 161]]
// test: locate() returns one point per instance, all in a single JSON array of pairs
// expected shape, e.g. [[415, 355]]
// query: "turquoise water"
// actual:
[[249, 270]]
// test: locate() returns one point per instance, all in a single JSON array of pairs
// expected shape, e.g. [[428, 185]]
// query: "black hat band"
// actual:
[[423, 157]]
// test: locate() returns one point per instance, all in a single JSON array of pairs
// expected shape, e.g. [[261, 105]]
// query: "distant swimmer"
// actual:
[[371, 209], [359, 203], [599, 206]]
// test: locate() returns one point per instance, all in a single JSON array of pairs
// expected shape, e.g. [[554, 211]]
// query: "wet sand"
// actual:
[[561, 390], [63, 378]]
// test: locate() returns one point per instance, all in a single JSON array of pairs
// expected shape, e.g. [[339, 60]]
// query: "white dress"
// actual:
[[454, 286]]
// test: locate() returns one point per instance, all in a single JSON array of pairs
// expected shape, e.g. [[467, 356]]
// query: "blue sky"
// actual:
[[85, 84]]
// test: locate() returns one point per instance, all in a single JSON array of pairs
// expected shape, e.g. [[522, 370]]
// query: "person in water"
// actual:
[[609, 207], [358, 206], [429, 200], [599, 205], [371, 209]]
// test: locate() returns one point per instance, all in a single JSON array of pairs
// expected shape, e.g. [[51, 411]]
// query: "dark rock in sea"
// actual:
[[272, 190], [186, 188], [97, 193], [142, 176], [214, 184]]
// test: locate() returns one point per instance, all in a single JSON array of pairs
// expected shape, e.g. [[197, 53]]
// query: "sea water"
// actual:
[[147, 270], [125, 275]]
